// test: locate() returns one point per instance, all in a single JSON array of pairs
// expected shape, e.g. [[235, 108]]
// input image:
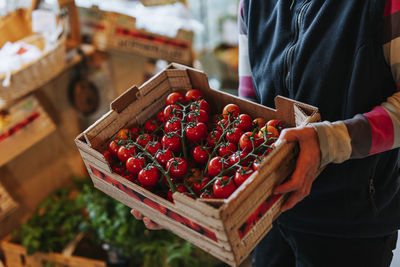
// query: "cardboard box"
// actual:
[[228, 229]]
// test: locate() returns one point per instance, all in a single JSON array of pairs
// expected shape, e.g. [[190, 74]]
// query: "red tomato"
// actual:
[[143, 139], [169, 196], [122, 134], [198, 116], [259, 123], [162, 156], [107, 155], [233, 135], [125, 152], [160, 118], [135, 164], [278, 124], [153, 147], [227, 149], [200, 184], [224, 187], [200, 104], [222, 124], [149, 176], [171, 111], [195, 132], [182, 189], [242, 174], [207, 195], [257, 162], [150, 125], [216, 165], [200, 154], [230, 112], [245, 122], [193, 95], [171, 142], [173, 98], [113, 147], [134, 132], [177, 167], [249, 141], [213, 137], [242, 157], [173, 125]]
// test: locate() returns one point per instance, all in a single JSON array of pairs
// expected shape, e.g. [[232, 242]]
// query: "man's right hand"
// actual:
[[147, 222]]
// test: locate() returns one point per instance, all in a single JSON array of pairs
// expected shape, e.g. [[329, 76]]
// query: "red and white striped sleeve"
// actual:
[[246, 89], [379, 129]]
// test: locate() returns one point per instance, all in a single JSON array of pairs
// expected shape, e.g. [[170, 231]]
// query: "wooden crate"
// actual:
[[16, 256], [220, 227], [22, 126]]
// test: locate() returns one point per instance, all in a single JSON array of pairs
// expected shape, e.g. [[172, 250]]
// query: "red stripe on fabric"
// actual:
[[382, 130], [246, 86], [241, 8], [392, 6]]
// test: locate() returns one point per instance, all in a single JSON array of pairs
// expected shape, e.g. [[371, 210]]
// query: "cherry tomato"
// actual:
[[143, 139], [200, 104], [113, 147], [227, 149], [182, 189], [173, 125], [195, 132], [216, 165], [245, 122], [193, 95], [169, 196], [135, 164], [107, 155], [213, 137], [224, 187], [200, 184], [153, 147], [242, 157], [122, 134], [172, 142], [278, 124], [160, 118], [259, 123], [198, 116], [150, 126], [222, 124], [200, 154], [171, 111], [162, 156], [249, 141], [233, 135], [230, 112], [134, 132], [257, 162], [207, 195], [173, 98], [177, 167], [125, 152], [149, 176], [242, 174]]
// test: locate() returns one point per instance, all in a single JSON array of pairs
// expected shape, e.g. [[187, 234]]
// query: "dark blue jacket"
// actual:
[[328, 53]]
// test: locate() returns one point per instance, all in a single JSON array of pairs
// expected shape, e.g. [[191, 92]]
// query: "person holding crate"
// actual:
[[344, 58]]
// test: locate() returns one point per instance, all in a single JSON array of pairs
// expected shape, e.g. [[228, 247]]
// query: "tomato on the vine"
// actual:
[[249, 141], [213, 137], [193, 95], [173, 125], [149, 176], [107, 155], [135, 164], [257, 162], [172, 111], [224, 187], [242, 174], [259, 123], [195, 132], [233, 135], [240, 157], [113, 147], [244, 122], [227, 149], [200, 184], [150, 126], [122, 134], [125, 152], [230, 112], [278, 124], [162, 156], [134, 132], [215, 166], [177, 167], [172, 142], [144, 139], [173, 98], [198, 116], [153, 147], [160, 117], [207, 195], [200, 104], [182, 189], [200, 154]]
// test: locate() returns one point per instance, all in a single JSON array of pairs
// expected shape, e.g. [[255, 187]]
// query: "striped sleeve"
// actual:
[[246, 89], [379, 129]]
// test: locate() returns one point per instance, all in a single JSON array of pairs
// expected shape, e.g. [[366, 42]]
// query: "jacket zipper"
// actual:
[[289, 51]]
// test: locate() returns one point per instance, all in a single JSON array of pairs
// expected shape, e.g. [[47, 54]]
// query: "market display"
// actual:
[[185, 148]]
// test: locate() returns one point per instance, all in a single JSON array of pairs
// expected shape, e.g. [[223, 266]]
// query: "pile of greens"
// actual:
[[61, 217]]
